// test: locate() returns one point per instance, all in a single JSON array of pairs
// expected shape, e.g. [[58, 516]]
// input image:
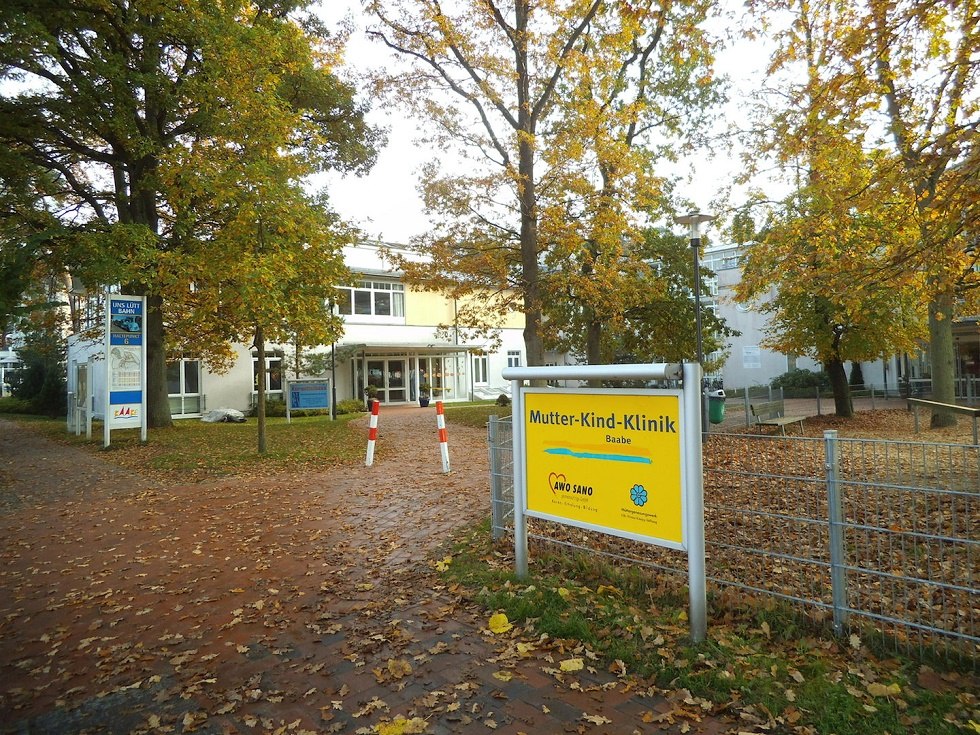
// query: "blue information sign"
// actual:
[[309, 394]]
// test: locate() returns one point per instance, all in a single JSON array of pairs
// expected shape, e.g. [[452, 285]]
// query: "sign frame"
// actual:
[[125, 364], [691, 466], [298, 388], [571, 458]]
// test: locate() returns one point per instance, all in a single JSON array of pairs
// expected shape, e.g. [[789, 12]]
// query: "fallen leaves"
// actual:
[[499, 623], [402, 726]]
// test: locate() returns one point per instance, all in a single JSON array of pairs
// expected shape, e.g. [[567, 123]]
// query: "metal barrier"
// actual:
[[859, 532]]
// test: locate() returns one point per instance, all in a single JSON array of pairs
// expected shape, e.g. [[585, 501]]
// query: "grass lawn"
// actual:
[[763, 662], [190, 451]]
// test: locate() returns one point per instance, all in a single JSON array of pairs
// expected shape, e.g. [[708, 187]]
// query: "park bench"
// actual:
[[772, 413]]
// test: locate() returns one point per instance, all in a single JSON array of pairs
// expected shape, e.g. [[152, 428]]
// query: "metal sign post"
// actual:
[[621, 461]]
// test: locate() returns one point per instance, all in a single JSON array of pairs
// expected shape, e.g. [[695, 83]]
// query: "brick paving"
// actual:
[[292, 604]]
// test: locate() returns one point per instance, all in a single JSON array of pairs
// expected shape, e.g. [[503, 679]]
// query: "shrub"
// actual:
[[351, 405], [15, 405], [503, 400], [801, 379]]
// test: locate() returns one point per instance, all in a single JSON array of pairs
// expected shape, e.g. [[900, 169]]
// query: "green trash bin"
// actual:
[[716, 406]]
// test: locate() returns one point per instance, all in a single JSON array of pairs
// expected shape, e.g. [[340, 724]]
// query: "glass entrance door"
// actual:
[[390, 378], [397, 382]]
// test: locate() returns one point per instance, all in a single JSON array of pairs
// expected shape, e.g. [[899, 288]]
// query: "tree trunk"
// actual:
[[260, 388], [527, 194], [593, 345], [941, 358], [842, 390], [157, 396]]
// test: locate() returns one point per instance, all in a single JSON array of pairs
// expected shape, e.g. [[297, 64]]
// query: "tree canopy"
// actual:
[[874, 123], [561, 110], [135, 111]]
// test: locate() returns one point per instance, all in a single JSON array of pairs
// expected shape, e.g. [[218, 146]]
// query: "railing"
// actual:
[[951, 407], [867, 534]]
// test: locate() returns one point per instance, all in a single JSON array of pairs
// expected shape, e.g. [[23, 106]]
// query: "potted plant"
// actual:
[[425, 390], [370, 394]]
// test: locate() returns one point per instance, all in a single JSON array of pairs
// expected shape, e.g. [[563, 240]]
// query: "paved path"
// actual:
[[294, 604]]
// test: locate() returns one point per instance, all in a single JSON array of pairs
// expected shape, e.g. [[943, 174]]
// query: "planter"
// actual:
[[424, 402]]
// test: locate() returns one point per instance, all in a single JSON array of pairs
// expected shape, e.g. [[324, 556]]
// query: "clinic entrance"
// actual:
[[397, 377]]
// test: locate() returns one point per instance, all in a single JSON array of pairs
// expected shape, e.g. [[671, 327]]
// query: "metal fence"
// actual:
[[859, 532]]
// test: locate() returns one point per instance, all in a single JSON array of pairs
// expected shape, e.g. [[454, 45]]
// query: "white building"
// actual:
[[398, 338], [392, 342], [750, 364]]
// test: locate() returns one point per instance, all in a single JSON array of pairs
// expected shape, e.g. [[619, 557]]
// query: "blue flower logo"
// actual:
[[638, 495]]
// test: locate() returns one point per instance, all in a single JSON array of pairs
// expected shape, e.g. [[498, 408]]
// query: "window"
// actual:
[[513, 358], [480, 370], [184, 387], [372, 298], [273, 375]]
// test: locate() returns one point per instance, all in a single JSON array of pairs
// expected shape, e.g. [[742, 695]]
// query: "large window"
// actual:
[[184, 387], [372, 298], [480, 370], [273, 376]]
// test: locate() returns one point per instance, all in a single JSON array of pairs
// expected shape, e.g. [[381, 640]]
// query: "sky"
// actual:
[[386, 205]]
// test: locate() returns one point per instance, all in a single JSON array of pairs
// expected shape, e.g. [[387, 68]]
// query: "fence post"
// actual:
[[838, 573], [747, 421], [496, 481], [818, 401]]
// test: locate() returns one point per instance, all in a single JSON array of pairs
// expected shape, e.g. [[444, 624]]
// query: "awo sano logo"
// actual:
[[560, 484]]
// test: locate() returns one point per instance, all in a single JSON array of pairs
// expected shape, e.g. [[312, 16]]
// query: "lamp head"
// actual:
[[694, 220]]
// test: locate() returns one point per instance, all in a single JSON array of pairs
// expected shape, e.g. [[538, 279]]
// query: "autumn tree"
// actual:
[[898, 79], [110, 97], [920, 62], [560, 111], [657, 324], [825, 246]]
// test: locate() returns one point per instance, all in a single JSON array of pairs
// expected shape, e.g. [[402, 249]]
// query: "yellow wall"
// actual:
[[426, 308]]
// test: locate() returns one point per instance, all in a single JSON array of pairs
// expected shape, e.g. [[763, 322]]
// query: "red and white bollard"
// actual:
[[443, 437], [372, 433]]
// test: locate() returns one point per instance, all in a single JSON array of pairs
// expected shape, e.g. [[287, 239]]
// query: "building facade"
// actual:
[[750, 364], [396, 340]]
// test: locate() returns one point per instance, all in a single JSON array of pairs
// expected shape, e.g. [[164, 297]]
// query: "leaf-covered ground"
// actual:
[[294, 603], [318, 600]]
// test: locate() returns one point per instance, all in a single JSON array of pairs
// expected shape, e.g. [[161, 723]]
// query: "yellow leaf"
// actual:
[[564, 594], [399, 668], [596, 719], [499, 623], [855, 641], [572, 664], [401, 726], [503, 675], [880, 690], [443, 564]]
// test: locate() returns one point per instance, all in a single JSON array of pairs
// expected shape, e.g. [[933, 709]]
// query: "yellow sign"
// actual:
[[607, 460]]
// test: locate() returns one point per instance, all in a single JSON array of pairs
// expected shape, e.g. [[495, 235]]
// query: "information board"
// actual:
[[606, 460], [307, 393], [125, 352]]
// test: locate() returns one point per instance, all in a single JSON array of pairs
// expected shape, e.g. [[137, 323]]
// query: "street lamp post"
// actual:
[[694, 221]]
